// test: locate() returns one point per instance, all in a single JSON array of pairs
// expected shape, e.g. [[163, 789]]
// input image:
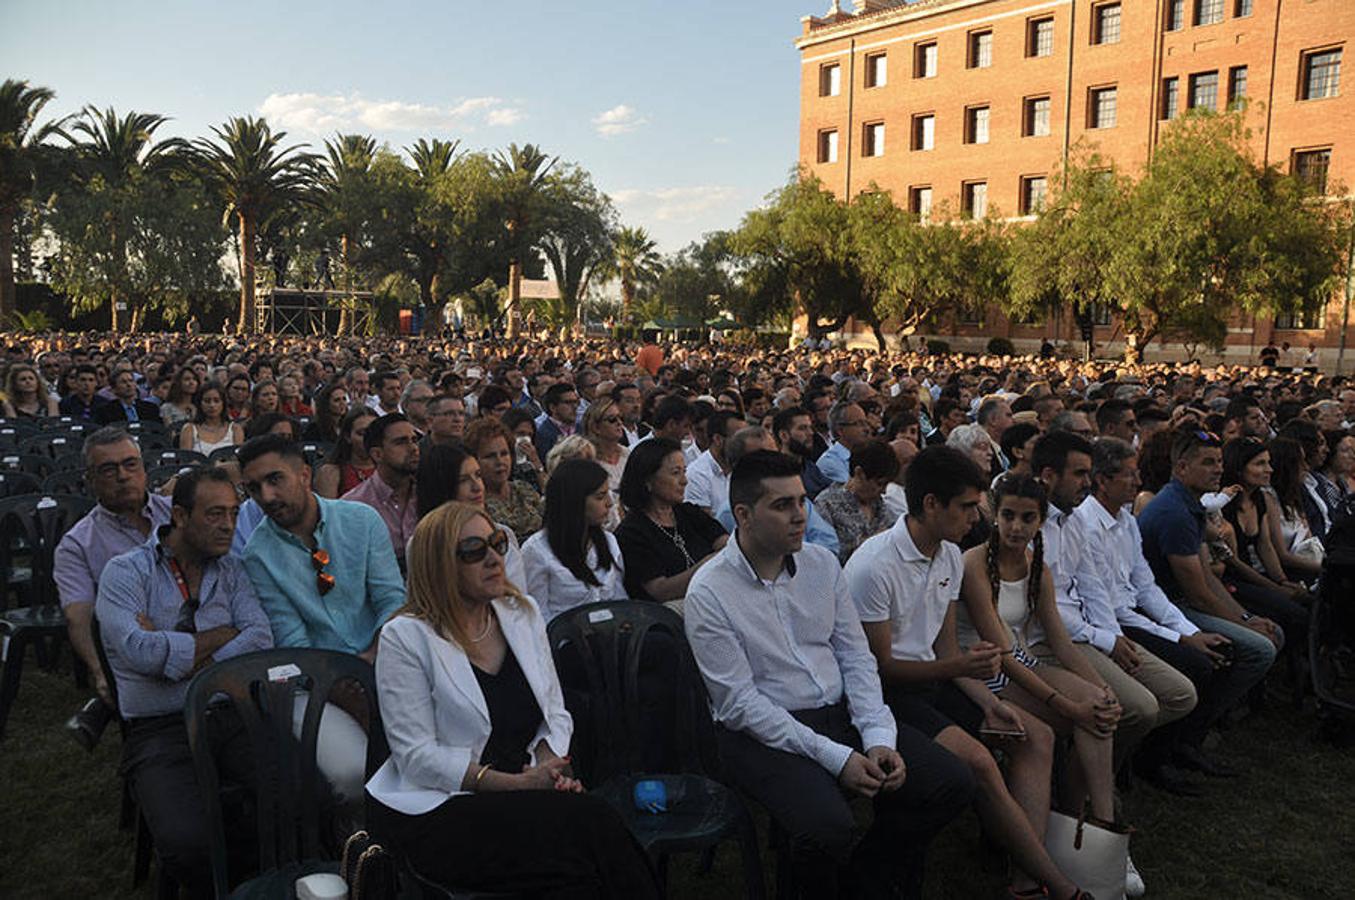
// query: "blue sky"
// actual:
[[685, 111]]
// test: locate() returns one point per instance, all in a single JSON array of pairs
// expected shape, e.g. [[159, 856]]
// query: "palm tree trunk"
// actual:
[[7, 292], [432, 306], [248, 322], [346, 307], [514, 295], [627, 297], [114, 298]]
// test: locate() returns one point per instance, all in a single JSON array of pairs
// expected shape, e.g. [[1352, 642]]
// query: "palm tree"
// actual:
[[343, 182], [21, 145], [426, 239], [522, 171], [635, 261], [119, 152], [253, 175]]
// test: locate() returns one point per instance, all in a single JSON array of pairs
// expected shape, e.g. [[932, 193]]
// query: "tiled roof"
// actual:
[[823, 28]]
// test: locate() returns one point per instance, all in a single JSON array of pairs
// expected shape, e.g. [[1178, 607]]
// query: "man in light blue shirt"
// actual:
[[850, 429], [324, 570], [740, 444]]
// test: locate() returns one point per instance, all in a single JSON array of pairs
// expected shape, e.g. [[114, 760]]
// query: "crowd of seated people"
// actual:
[[909, 578]]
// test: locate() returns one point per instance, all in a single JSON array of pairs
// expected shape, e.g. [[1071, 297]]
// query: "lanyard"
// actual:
[[179, 579]]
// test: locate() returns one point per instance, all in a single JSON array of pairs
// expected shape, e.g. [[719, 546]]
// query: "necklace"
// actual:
[[675, 537], [489, 623]]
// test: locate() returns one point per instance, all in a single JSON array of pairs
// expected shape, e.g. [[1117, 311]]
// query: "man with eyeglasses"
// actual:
[[168, 609], [393, 445], [562, 404], [124, 518], [446, 421], [850, 430]]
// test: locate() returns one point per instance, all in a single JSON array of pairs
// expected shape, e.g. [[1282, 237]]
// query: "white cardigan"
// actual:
[[434, 712], [558, 589]]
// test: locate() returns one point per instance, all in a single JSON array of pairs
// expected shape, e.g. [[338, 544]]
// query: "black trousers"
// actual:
[[807, 802], [542, 843], [159, 765]]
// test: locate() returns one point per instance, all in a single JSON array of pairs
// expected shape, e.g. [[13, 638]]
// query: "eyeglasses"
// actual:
[[324, 582], [472, 550], [131, 465]]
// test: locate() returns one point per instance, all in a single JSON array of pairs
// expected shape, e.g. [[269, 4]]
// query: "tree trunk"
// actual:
[[346, 305], [248, 322], [879, 335], [514, 295], [138, 317], [7, 292]]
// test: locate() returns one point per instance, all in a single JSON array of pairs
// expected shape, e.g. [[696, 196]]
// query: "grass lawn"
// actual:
[[1286, 829]]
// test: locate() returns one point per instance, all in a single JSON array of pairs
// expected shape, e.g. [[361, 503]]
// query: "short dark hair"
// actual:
[[782, 420], [263, 424], [752, 469], [382, 377], [376, 432], [1240, 406], [491, 396], [718, 422], [186, 485], [622, 387], [671, 409], [1016, 436], [1109, 414], [1185, 441], [556, 392], [645, 459], [942, 472], [1152, 413], [517, 416], [876, 458], [1051, 451], [944, 407], [264, 444]]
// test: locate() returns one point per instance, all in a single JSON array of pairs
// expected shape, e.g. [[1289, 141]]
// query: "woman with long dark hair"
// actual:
[[1246, 464], [1300, 551], [573, 559], [210, 429], [477, 793], [348, 464], [331, 404], [448, 472], [178, 407]]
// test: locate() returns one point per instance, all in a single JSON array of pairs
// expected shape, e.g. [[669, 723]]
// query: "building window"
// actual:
[[873, 139], [976, 125], [920, 201], [1321, 74], [1241, 8], [1035, 120], [1101, 108], [1176, 15], [830, 80], [975, 198], [1307, 318], [828, 146], [1033, 191], [877, 70], [1106, 24], [1204, 90], [924, 132], [1040, 37], [924, 60], [980, 50], [1171, 97], [1100, 314], [1310, 167], [1208, 12], [1237, 86]]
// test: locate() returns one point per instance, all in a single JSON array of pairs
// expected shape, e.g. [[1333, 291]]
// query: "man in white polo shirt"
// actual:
[[795, 692], [905, 583]]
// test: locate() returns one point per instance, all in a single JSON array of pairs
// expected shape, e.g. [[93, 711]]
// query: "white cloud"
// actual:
[[323, 113], [618, 120], [673, 204]]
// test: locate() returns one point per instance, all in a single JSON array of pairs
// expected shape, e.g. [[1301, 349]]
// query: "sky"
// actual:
[[684, 111]]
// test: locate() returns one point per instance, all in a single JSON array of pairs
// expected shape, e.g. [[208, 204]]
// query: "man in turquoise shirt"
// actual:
[[324, 570]]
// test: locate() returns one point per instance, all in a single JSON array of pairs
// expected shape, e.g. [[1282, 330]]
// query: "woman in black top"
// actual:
[[663, 540], [1246, 464]]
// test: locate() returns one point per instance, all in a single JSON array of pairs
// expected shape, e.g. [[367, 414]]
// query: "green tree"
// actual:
[[522, 174], [635, 262], [23, 145], [576, 237], [254, 176], [347, 197], [794, 256], [698, 281]]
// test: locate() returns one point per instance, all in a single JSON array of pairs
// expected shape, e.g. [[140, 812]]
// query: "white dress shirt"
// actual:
[[1115, 580], [892, 581], [707, 483], [435, 715], [766, 648], [1062, 556], [556, 589]]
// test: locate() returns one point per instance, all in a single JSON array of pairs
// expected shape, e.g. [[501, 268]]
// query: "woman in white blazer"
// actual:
[[573, 559], [477, 793]]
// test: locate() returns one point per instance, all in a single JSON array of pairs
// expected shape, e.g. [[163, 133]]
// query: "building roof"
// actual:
[[871, 14]]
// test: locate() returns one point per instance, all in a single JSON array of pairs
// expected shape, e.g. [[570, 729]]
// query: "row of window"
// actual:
[[1206, 12], [1203, 91], [1032, 191]]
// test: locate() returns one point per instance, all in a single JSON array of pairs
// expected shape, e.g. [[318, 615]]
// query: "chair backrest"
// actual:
[[158, 476], [14, 483], [65, 481], [35, 525], [51, 443], [290, 788], [633, 688], [316, 452], [222, 455], [34, 464], [171, 457]]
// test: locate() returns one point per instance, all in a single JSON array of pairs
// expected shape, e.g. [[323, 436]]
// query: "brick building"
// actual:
[[973, 104]]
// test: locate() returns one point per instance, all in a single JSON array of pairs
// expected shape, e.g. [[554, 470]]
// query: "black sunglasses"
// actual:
[[475, 549]]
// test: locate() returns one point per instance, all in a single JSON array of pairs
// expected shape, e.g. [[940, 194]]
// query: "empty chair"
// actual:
[[14, 483]]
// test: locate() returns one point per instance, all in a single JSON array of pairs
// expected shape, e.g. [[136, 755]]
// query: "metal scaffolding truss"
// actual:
[[295, 311]]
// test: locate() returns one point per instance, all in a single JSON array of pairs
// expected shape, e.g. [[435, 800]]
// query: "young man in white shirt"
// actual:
[[794, 689], [906, 584], [708, 476]]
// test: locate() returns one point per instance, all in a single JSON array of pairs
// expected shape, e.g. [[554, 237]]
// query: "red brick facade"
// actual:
[[999, 64]]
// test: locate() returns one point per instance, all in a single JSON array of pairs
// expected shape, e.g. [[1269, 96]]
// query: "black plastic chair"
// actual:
[[290, 794], [172, 457], [159, 476], [65, 481], [316, 452], [34, 464], [222, 455], [51, 444], [38, 525], [13, 484], [15, 431], [625, 667]]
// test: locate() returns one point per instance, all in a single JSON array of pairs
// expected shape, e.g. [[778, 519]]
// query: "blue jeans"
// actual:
[[1253, 655]]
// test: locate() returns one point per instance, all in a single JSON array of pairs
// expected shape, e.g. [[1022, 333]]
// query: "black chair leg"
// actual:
[[752, 860], [9, 674]]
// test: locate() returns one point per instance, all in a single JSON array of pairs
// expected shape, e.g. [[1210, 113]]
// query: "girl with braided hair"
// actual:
[[1008, 596]]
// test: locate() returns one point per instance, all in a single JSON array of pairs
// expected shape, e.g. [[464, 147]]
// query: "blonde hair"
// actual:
[[576, 446], [595, 413], [434, 593]]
